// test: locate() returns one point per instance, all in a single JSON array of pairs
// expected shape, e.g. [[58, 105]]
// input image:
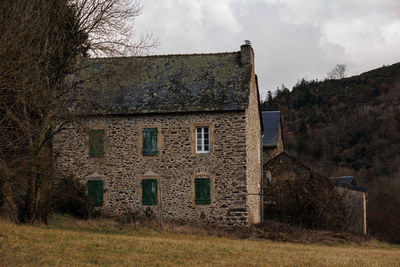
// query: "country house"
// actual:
[[179, 135]]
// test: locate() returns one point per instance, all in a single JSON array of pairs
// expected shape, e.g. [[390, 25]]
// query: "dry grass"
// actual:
[[71, 242]]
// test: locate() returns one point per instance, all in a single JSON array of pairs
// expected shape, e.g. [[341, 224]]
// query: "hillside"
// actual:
[[349, 126]]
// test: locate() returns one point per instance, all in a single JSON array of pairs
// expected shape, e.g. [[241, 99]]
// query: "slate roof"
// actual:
[[345, 180], [162, 84], [271, 120], [348, 182]]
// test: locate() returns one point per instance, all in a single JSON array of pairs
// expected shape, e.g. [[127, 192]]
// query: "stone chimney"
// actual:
[[246, 53]]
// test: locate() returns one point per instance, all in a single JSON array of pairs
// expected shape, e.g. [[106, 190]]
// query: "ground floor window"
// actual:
[[95, 191], [149, 191], [202, 190]]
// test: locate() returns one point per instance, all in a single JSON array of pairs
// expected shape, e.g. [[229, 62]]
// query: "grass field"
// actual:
[[89, 244]]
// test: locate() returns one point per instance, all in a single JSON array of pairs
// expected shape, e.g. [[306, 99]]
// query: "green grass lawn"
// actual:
[[80, 243]]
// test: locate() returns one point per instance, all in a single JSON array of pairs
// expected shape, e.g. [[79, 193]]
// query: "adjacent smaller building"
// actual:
[[280, 169], [272, 138], [355, 199]]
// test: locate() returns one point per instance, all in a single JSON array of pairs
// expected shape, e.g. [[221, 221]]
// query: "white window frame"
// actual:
[[202, 139]]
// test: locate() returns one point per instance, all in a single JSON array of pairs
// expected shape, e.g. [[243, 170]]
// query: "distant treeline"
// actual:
[[349, 126]]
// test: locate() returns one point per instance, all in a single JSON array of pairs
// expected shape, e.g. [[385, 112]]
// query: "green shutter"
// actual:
[[96, 143], [149, 192], [95, 191], [202, 191], [149, 136]]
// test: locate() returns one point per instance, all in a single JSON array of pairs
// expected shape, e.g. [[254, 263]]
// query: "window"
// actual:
[[95, 191], [202, 190], [149, 136], [149, 191], [202, 140], [96, 143]]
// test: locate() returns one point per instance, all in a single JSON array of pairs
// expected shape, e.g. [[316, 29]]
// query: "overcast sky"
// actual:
[[292, 39]]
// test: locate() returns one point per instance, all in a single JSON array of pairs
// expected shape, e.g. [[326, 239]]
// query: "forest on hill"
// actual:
[[349, 126]]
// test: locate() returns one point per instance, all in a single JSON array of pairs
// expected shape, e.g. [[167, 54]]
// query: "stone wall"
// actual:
[[253, 144], [356, 203], [122, 166], [285, 167]]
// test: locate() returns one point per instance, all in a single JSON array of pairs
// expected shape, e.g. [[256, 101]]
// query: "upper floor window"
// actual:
[[96, 143], [202, 140], [149, 136]]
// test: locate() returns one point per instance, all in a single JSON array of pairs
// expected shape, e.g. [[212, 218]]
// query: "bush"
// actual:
[[383, 213], [312, 203], [71, 198]]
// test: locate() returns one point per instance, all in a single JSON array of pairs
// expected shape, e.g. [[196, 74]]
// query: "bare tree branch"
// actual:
[[338, 72]]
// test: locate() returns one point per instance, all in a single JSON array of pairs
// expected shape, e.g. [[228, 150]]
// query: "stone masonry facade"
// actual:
[[356, 204], [253, 152], [123, 167]]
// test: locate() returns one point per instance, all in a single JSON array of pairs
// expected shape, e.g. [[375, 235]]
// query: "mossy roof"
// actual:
[[163, 84]]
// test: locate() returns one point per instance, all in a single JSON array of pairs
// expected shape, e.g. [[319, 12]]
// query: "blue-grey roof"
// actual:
[[343, 180], [271, 120], [162, 84], [348, 182]]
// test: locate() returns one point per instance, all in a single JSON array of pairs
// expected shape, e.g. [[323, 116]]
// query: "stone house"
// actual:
[[177, 135]]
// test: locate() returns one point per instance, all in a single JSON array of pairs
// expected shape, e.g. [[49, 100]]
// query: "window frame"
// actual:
[[202, 139], [197, 182], [151, 132], [203, 175], [160, 141], [194, 140]]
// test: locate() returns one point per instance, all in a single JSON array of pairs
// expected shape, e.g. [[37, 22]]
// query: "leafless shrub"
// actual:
[[383, 212], [312, 203]]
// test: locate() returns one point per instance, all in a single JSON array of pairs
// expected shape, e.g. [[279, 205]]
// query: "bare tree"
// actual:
[[338, 72], [109, 25], [40, 42]]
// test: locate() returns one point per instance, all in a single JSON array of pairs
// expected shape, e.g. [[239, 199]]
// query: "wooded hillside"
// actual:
[[349, 126]]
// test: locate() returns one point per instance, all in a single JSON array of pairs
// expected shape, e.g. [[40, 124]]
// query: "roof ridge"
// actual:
[[169, 55]]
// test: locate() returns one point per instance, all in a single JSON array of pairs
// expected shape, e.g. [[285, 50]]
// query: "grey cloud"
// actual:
[[292, 39]]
